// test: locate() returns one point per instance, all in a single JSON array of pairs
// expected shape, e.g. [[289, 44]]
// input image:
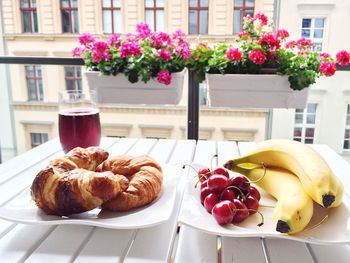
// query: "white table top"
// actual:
[[161, 243]]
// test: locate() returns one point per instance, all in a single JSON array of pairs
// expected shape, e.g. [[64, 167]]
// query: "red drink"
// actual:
[[79, 127]]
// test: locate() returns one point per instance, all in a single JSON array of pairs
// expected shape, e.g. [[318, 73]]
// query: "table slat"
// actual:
[[331, 253]]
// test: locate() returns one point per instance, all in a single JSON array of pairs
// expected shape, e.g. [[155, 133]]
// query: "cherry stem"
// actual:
[[211, 161], [249, 209], [200, 177], [234, 187], [262, 177]]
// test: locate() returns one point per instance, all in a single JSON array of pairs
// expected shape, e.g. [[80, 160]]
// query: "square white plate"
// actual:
[[334, 229], [22, 209]]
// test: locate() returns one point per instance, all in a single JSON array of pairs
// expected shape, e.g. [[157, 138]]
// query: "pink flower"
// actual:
[[183, 51], [164, 77], [99, 52], [282, 33], [114, 40], [328, 68], [343, 58], [76, 52], [262, 17], [291, 44], [303, 43], [257, 56], [164, 54], [160, 39], [324, 55], [234, 54], [243, 35], [129, 49], [270, 40], [86, 39], [143, 30]]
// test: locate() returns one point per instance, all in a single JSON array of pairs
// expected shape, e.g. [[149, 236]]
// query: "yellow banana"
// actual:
[[316, 177], [294, 207]]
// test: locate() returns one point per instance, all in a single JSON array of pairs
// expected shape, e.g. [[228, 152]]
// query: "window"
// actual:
[[304, 124], [34, 83], [38, 138], [198, 17], [112, 16], [313, 28], [69, 11], [29, 16], [73, 78], [241, 9], [347, 130], [154, 14]]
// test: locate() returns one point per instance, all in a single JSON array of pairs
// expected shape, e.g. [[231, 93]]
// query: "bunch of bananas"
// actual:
[[296, 175]]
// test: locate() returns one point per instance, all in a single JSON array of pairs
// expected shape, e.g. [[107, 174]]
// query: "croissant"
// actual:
[[66, 187], [145, 181]]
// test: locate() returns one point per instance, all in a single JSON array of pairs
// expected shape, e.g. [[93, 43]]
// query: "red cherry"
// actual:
[[204, 184], [210, 201], [252, 204], [204, 174], [223, 212], [228, 194], [222, 171], [204, 193], [217, 183], [241, 213], [254, 192], [240, 181]]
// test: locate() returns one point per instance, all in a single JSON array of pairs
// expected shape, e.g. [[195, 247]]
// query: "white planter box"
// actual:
[[117, 89], [253, 91]]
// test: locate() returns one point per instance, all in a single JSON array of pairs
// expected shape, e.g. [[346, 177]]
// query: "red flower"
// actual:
[[234, 54], [257, 56], [343, 58], [270, 40], [291, 44], [324, 56], [303, 43], [262, 17], [282, 33], [328, 68]]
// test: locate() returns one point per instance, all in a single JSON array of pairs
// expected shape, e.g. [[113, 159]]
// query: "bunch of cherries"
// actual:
[[229, 200]]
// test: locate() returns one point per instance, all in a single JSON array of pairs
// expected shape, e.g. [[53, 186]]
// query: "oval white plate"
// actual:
[[22, 209], [335, 226]]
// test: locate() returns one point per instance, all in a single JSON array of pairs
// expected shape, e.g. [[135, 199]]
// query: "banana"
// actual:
[[316, 177], [294, 207]]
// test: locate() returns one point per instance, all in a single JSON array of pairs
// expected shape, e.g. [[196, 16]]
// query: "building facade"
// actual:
[[51, 28]]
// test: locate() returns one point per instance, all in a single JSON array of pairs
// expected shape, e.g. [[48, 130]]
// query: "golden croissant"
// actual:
[[145, 181], [70, 185]]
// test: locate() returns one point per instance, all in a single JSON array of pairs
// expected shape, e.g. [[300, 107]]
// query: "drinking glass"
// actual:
[[78, 120]]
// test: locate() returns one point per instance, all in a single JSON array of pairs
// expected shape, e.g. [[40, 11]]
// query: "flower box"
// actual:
[[117, 89], [254, 91]]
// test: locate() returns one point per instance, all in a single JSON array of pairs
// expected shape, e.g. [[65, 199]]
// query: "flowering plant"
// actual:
[[259, 50], [143, 55]]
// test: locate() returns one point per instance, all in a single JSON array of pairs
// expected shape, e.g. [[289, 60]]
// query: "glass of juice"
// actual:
[[78, 119]]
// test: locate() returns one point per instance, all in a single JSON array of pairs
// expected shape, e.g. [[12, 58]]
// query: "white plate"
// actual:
[[334, 229], [22, 209]]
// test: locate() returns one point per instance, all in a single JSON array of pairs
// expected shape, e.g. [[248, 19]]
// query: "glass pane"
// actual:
[[310, 118], [107, 21], [44, 137], [297, 132], [75, 21], [202, 93], [193, 22], [347, 120], [33, 3], [65, 22], [309, 141], [34, 137], [298, 118], [348, 109], [159, 3], [299, 110], [317, 47], [149, 3], [160, 20], [237, 21], [238, 3], [69, 71], [79, 87], [31, 89], [29, 71], [117, 3], [78, 70], [346, 145], [249, 12], [40, 87], [311, 107], [74, 3], [37, 71], [204, 3], [203, 22], [193, 3], [347, 134], [319, 22], [64, 3], [318, 33], [297, 139], [69, 84], [106, 3], [306, 23], [309, 132], [305, 33], [35, 22], [24, 3], [249, 3], [117, 21], [26, 19], [150, 18]]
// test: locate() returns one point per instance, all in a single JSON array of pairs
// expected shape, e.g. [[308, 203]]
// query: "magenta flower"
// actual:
[[282, 33], [270, 40], [164, 77], [86, 39], [291, 44], [328, 68], [99, 52], [234, 54], [114, 40], [143, 30], [160, 39], [129, 49], [262, 17], [343, 58], [183, 51], [165, 54], [324, 56], [76, 52], [257, 56]]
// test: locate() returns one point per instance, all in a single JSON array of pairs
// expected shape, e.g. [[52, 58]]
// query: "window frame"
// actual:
[[304, 125], [31, 10], [112, 8], [36, 79], [69, 9], [198, 10], [155, 8], [243, 9], [41, 138], [75, 78]]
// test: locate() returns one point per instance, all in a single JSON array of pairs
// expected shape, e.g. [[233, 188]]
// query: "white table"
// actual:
[[162, 243]]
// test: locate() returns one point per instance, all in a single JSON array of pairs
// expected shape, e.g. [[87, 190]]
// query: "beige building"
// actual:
[[51, 28]]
